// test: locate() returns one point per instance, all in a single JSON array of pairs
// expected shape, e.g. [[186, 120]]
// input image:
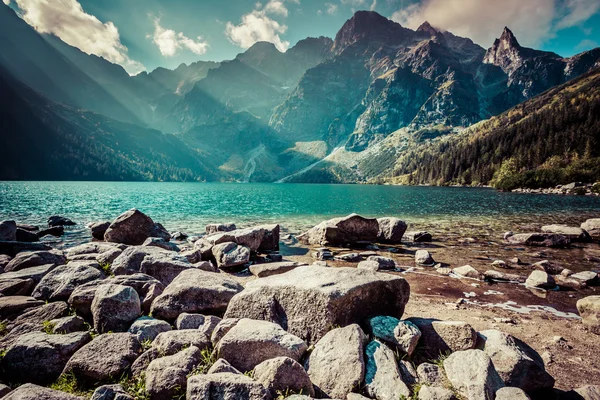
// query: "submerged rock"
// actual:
[[57, 220]]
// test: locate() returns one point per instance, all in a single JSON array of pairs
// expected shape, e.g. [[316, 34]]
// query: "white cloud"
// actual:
[[373, 5], [331, 8], [67, 20], [7, 2], [169, 41], [577, 11], [587, 44], [258, 26]]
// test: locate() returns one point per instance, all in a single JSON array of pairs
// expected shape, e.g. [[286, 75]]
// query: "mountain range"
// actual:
[[341, 110]]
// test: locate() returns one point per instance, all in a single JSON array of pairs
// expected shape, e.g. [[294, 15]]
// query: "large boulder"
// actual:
[[511, 393], [230, 254], [431, 374], [12, 248], [105, 358], [307, 301], [340, 231], [225, 385], [592, 226], [167, 376], [59, 283], [38, 315], [38, 357], [171, 342], [382, 378], [161, 243], [247, 237], [30, 259], [391, 230], [274, 268], [435, 393], [8, 231], [283, 375], [164, 267], [29, 391], [418, 236], [211, 229], [336, 365], [538, 239], [115, 307], [130, 260], [147, 328], [589, 309], [133, 227], [16, 287], [441, 337], [518, 364], [251, 342], [195, 291], [401, 335], [575, 233], [12, 306], [472, 374], [98, 229], [270, 241]]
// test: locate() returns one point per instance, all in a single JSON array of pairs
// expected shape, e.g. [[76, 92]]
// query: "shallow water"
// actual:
[[189, 207]]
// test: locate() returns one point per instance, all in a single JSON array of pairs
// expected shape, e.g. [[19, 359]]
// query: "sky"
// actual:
[[142, 35]]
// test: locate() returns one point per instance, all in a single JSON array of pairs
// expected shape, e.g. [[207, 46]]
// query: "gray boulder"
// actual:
[[26, 236], [38, 315], [111, 392], [115, 307], [16, 287], [222, 328], [466, 271], [164, 267], [423, 257], [225, 386], [574, 233], [160, 242], [57, 220], [391, 230], [35, 259], [167, 376], [131, 259], [385, 263], [69, 324], [230, 254], [336, 365], [592, 226], [216, 228], [222, 365], [99, 229], [247, 237], [270, 240], [195, 291], [340, 231], [38, 357], [307, 301], [171, 342], [440, 337], [472, 374], [511, 393], [29, 391], [435, 393], [589, 309], [382, 376], [8, 231], [517, 364], [283, 375], [251, 342], [105, 358], [13, 306], [403, 335], [540, 280], [590, 278], [274, 268], [538, 239], [373, 266], [133, 227], [189, 321], [418, 236], [147, 328], [59, 283], [589, 392]]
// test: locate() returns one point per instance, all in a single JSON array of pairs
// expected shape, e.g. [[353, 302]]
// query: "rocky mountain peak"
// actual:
[[505, 52], [427, 28], [367, 25]]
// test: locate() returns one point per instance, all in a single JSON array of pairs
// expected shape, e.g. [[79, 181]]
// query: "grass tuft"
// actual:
[[135, 386], [48, 327], [207, 359], [68, 383]]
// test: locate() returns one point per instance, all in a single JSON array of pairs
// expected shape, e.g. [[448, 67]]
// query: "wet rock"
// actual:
[[423, 257], [251, 342], [403, 335], [431, 374], [147, 328], [592, 226], [222, 328], [511, 393], [472, 373], [435, 393], [339, 231], [548, 267], [16, 287], [418, 236], [26, 236], [576, 234], [25, 260], [69, 324], [274, 268], [56, 231], [98, 229], [216, 228], [225, 386], [440, 337], [540, 280], [29, 391], [133, 227], [517, 364], [111, 392], [39, 357], [467, 271], [307, 301], [382, 377], [59, 283], [13, 306], [385, 263], [391, 230], [336, 365], [230, 254], [8, 231], [589, 309], [189, 321], [167, 376], [160, 242], [115, 307], [171, 342], [195, 291], [538, 239], [222, 365], [283, 375], [57, 220], [105, 358]]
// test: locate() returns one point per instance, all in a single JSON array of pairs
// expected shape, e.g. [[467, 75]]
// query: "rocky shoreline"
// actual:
[[142, 313], [573, 189]]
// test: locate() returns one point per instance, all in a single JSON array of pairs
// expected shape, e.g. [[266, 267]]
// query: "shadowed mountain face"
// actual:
[[315, 112]]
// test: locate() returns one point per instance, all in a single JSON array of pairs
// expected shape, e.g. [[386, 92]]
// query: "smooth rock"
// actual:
[[348, 257], [166, 376], [115, 307], [382, 376], [511, 393], [592, 226], [440, 337], [340, 231], [590, 278], [13, 306], [59, 283], [575, 233], [538, 239], [38, 315], [26, 236], [589, 392], [147, 328], [29, 391], [472, 374], [16, 287], [225, 386], [548, 267], [216, 228], [423, 257], [230, 254], [492, 275], [189, 321], [385, 263], [540, 280], [57, 220], [403, 335], [12, 248], [283, 375], [56, 231], [435, 393], [160, 242], [589, 309], [391, 230], [69, 324], [274, 268], [467, 271], [164, 268], [251, 342], [373, 266], [171, 342], [99, 229], [30, 259], [336, 365], [132, 227], [418, 236], [307, 301], [222, 365]]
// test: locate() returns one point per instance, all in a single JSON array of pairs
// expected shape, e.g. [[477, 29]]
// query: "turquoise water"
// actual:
[[189, 206]]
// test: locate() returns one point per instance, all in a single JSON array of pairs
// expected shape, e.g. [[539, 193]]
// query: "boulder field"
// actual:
[[133, 315]]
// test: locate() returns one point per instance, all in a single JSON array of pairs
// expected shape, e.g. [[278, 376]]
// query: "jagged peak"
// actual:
[[509, 38], [427, 27], [366, 24]]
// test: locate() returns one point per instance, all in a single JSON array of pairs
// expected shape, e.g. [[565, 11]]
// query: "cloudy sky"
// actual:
[[145, 34]]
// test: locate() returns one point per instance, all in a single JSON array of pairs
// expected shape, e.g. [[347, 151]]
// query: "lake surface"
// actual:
[[188, 207]]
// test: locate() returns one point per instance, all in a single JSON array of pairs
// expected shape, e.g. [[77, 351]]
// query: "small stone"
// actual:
[[435, 393], [467, 271], [167, 376], [540, 280], [423, 257], [403, 335], [111, 392], [418, 236], [511, 393], [147, 328], [189, 321], [589, 309], [431, 374]]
